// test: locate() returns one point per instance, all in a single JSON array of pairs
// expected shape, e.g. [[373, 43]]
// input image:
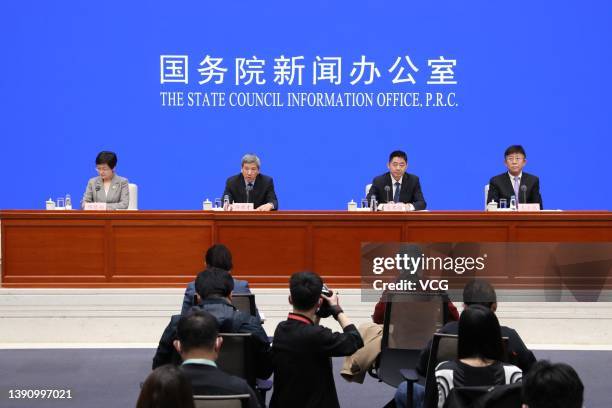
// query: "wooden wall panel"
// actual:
[[265, 254], [159, 252]]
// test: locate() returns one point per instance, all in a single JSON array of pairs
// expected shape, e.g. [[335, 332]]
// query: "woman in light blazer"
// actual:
[[108, 187]]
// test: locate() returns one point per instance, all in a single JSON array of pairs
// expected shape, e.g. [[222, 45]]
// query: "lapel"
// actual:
[[99, 193], [507, 183], [405, 188], [241, 190], [113, 190]]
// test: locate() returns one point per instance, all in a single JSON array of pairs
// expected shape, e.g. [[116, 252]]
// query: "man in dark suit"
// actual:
[[524, 186], [214, 291], [198, 343], [398, 186], [260, 188]]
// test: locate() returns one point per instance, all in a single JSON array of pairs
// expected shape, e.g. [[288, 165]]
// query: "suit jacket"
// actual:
[[230, 320], [209, 380], [263, 190], [410, 191], [303, 375], [240, 286], [500, 186], [118, 197]]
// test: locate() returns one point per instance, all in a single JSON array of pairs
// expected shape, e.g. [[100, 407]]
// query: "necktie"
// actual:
[[516, 187], [249, 192], [397, 192]]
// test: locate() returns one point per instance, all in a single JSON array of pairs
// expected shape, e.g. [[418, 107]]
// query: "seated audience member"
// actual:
[[357, 365], [198, 344], [524, 186], [552, 386], [480, 292], [218, 256], [108, 187], [414, 252], [479, 354], [214, 294], [166, 387], [302, 349]]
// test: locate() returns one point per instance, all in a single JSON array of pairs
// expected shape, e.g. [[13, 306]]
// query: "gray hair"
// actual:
[[250, 158]]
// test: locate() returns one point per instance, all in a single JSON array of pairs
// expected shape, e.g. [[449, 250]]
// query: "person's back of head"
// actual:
[[198, 332], [214, 282], [166, 387], [479, 292], [219, 256], [305, 289], [479, 334], [552, 386]]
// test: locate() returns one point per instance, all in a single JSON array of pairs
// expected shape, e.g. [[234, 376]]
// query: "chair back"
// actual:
[[499, 396], [409, 321], [486, 193], [221, 401], [444, 348], [236, 357], [245, 302], [367, 189], [133, 201]]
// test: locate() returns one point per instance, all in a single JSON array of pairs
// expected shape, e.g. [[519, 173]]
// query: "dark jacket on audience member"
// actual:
[[301, 352], [230, 321], [209, 380], [518, 353]]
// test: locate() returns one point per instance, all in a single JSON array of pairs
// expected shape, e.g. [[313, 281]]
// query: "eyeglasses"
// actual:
[[103, 169], [517, 158]]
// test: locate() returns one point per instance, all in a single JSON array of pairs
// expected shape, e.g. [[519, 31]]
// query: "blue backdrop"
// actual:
[[80, 77]]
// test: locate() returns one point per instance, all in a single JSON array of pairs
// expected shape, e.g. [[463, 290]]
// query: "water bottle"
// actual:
[[513, 203], [226, 203], [68, 202], [373, 204]]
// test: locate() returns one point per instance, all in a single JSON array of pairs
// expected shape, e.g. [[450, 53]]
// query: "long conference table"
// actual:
[[126, 249]]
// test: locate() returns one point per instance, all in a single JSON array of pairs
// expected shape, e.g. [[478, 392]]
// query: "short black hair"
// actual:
[[398, 153], [305, 288], [515, 149], [197, 329], [214, 282], [549, 385], [479, 334], [479, 292], [219, 256], [166, 386], [109, 158]]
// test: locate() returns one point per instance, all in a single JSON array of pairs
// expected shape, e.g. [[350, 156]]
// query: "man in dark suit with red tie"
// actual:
[[524, 186], [398, 186], [250, 186]]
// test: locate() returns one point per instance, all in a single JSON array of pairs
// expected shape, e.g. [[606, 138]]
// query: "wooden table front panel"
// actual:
[[166, 248]]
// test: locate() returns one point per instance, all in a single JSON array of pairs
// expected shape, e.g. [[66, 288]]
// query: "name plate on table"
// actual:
[[529, 207], [394, 207], [95, 206], [242, 207]]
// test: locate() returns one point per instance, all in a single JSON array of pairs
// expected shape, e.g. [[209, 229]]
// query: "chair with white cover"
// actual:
[[133, 203]]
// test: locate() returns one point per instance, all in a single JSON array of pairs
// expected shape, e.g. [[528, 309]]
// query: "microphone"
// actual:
[[97, 188], [249, 188], [387, 189], [524, 191]]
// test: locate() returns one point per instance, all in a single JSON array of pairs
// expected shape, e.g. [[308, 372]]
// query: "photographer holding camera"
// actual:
[[302, 349]]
